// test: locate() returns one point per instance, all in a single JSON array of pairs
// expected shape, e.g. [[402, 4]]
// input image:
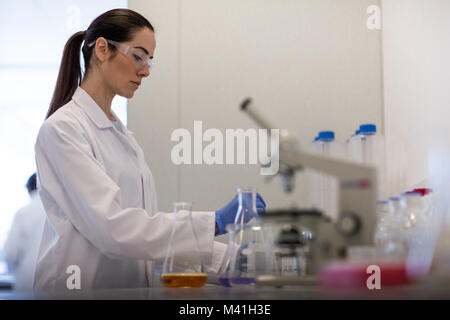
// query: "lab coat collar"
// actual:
[[92, 109]]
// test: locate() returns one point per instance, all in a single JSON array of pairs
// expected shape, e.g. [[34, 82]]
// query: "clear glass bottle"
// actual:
[[423, 241], [428, 201], [372, 148], [382, 229], [396, 245], [313, 179], [414, 216], [328, 185], [183, 265]]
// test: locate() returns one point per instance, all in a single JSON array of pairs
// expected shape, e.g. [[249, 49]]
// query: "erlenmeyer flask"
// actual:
[[245, 211], [183, 265], [247, 205], [249, 255], [247, 244]]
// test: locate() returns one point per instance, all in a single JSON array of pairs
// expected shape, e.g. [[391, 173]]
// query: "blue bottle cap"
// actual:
[[368, 129], [326, 135], [411, 193]]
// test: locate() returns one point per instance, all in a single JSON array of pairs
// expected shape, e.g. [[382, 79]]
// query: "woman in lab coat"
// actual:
[[103, 228]]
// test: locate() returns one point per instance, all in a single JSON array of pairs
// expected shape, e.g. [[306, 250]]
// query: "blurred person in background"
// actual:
[[22, 245]]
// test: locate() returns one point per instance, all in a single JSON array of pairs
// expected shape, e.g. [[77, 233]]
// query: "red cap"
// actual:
[[423, 191]]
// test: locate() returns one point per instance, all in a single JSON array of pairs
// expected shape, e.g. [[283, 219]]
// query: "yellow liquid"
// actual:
[[184, 280]]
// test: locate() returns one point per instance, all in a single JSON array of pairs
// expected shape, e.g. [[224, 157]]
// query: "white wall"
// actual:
[[309, 65], [416, 51]]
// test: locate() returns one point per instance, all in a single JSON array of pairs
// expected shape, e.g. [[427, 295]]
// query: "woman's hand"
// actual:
[[227, 214]]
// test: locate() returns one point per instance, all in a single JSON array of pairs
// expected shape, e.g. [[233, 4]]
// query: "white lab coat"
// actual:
[[100, 200], [22, 245]]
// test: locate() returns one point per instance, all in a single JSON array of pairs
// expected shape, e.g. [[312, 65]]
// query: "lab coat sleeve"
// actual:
[[218, 263], [72, 177]]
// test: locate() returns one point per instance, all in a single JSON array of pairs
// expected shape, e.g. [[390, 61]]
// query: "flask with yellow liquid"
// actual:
[[183, 266]]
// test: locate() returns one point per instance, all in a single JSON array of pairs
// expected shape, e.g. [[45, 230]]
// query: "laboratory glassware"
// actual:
[[414, 215], [246, 205], [381, 237], [249, 254], [245, 240], [396, 245], [323, 187], [183, 265], [372, 148]]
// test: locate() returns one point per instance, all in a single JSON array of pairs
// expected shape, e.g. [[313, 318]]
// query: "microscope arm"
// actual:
[[357, 183]]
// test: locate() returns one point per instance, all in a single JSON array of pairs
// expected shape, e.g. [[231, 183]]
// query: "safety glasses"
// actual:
[[136, 55]]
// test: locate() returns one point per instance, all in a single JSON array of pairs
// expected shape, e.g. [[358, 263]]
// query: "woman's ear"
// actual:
[[101, 49]]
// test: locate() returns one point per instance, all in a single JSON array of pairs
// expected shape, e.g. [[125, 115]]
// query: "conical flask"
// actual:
[[183, 266], [247, 205], [247, 244]]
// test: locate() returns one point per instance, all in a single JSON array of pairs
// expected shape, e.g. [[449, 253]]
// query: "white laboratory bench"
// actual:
[[433, 289]]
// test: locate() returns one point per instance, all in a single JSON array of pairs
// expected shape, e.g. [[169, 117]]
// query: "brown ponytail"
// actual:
[[69, 76], [117, 24]]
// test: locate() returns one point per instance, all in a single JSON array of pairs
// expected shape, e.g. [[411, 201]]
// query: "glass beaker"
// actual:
[[183, 266]]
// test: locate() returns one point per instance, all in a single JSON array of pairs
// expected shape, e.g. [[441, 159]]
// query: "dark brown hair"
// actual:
[[117, 24]]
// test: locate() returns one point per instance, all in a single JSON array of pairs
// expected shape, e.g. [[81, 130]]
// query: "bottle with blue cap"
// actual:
[[421, 233], [324, 188], [369, 148], [367, 133], [312, 177], [395, 245]]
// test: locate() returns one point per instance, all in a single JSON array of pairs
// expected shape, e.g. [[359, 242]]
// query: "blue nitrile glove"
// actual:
[[227, 214]]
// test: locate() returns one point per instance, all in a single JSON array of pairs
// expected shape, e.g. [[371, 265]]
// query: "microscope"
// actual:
[[327, 240]]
